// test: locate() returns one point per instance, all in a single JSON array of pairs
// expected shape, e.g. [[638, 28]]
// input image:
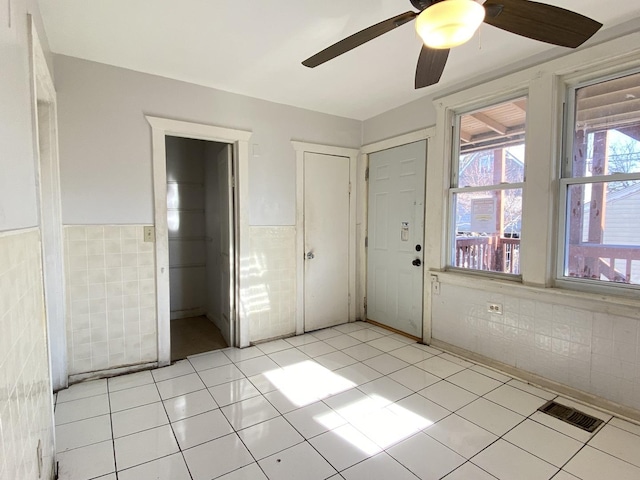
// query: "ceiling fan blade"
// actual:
[[431, 64], [358, 39], [540, 21]]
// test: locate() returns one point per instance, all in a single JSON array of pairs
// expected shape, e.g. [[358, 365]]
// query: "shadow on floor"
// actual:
[[194, 335]]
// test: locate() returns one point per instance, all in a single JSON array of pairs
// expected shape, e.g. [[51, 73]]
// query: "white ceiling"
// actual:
[[255, 47]]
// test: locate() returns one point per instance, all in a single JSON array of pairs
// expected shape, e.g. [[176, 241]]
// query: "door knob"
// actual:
[[310, 256], [416, 262]]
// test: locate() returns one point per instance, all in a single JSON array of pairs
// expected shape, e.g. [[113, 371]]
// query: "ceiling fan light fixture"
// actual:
[[449, 23]]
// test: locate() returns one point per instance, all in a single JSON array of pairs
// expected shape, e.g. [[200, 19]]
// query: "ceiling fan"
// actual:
[[444, 24]]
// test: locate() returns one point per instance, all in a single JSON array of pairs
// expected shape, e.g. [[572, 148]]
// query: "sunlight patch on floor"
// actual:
[[307, 382]]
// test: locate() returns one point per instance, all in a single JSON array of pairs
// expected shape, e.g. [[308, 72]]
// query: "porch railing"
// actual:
[[614, 263], [594, 260], [493, 253]]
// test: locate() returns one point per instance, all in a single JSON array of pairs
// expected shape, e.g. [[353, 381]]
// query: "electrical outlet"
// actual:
[[149, 233], [494, 308], [435, 285]]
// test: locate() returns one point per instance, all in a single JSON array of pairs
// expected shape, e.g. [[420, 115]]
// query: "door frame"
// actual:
[[352, 154], [427, 134], [47, 170], [160, 128]]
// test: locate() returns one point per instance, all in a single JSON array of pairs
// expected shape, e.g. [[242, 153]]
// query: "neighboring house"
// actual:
[[621, 228], [621, 214], [477, 169]]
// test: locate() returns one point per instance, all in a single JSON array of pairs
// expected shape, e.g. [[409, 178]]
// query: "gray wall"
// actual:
[[404, 119], [105, 141]]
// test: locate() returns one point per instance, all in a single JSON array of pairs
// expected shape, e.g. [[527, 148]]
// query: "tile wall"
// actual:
[[26, 412], [111, 297], [596, 352], [271, 297]]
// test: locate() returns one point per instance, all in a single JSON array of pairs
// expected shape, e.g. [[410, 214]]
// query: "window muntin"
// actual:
[[486, 188], [601, 184]]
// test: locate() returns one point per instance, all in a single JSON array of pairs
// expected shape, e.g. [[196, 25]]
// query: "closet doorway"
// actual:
[[200, 227]]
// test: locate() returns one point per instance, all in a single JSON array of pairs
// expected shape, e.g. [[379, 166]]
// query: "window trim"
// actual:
[[454, 159], [566, 180]]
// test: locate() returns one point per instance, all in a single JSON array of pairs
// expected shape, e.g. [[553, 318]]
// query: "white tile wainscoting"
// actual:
[[111, 293], [570, 341], [111, 297], [271, 299], [26, 414]]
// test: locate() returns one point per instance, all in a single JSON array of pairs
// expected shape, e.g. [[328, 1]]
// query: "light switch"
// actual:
[[149, 233]]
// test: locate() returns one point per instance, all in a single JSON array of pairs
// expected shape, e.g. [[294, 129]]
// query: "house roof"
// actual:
[[255, 47], [623, 193]]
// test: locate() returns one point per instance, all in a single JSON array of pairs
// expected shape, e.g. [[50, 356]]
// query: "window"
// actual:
[[601, 183], [486, 188]]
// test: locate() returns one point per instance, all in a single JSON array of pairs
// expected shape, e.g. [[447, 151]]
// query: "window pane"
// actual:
[[607, 128], [603, 232], [492, 145], [488, 226]]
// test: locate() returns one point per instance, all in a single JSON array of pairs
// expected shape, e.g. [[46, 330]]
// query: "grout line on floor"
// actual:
[[164, 407], [359, 389]]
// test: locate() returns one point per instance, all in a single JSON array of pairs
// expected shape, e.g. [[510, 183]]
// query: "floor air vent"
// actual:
[[571, 416]]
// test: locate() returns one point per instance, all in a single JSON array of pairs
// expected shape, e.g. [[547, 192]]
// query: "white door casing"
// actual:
[[302, 149], [50, 210], [326, 238], [396, 237], [161, 127]]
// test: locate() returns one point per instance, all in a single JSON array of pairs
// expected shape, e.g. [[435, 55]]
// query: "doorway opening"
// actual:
[[238, 335], [200, 221]]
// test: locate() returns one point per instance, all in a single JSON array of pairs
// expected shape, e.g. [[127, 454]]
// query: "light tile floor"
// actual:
[[350, 402]]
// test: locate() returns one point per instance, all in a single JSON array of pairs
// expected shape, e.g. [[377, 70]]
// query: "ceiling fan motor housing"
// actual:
[[423, 4]]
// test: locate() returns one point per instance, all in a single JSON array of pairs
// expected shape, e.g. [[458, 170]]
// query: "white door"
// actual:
[[396, 234], [326, 239], [225, 202]]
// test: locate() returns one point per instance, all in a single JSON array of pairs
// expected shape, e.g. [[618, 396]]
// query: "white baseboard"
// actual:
[[110, 372]]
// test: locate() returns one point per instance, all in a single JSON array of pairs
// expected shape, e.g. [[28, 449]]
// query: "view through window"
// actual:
[[602, 183], [486, 193]]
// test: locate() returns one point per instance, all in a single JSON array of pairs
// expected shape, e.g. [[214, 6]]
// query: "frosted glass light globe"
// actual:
[[449, 23]]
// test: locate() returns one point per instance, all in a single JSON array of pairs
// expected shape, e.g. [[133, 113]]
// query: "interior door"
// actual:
[[326, 238], [396, 235], [225, 202]]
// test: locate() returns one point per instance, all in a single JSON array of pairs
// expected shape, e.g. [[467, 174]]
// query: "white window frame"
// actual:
[[545, 86], [566, 180], [454, 178]]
